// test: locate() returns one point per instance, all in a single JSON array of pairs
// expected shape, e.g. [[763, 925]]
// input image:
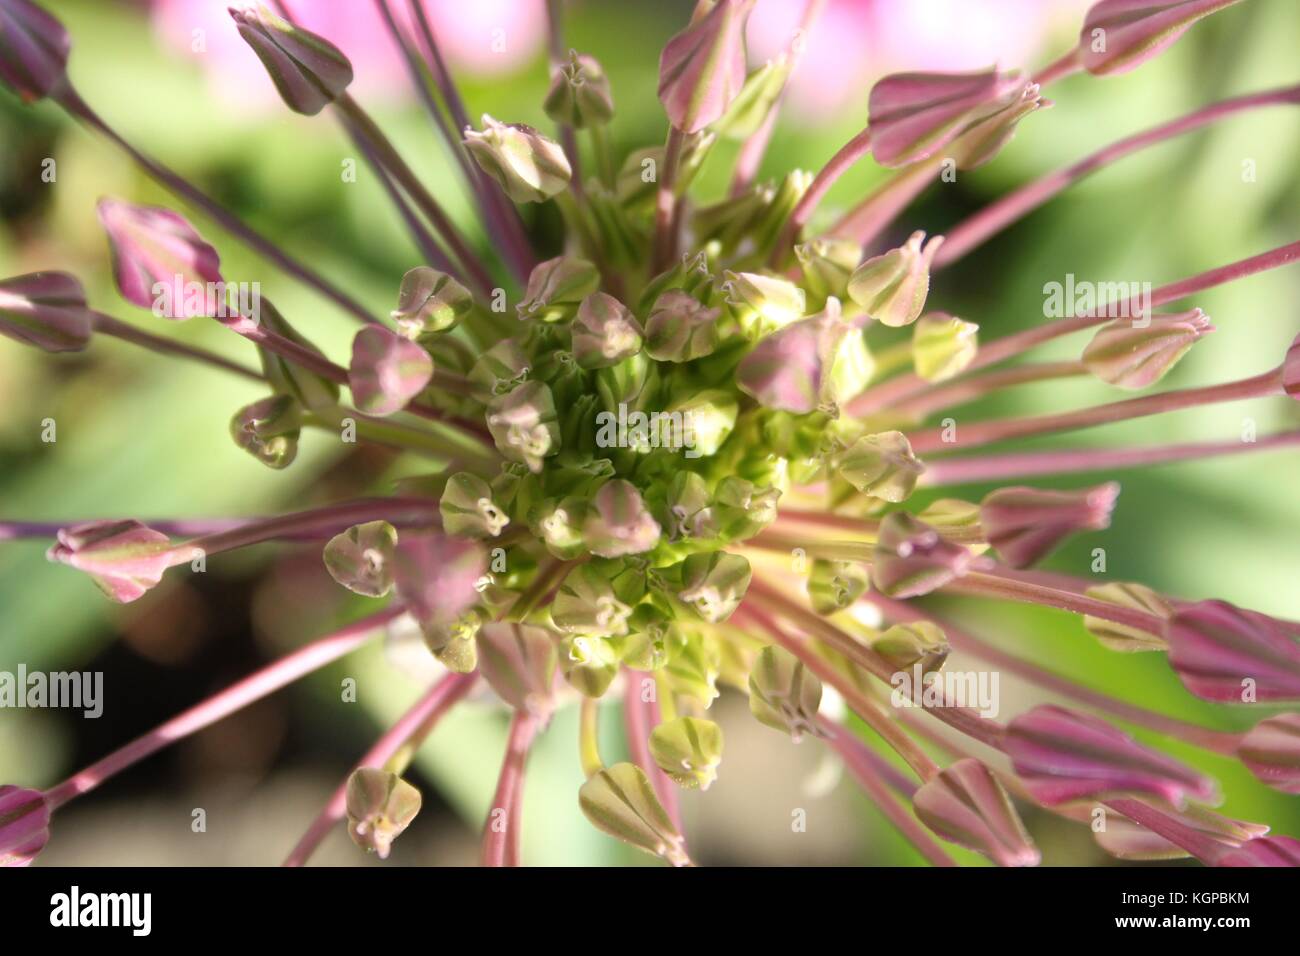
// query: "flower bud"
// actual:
[[524, 425], [380, 806], [708, 417], [579, 95], [1126, 839], [702, 69], [688, 750], [761, 304], [1128, 356], [437, 577], [892, 287], [1024, 524], [1121, 637], [557, 288], [965, 804], [619, 523], [268, 430], [688, 507], [588, 663], [467, 508], [920, 643], [646, 645], [308, 71], [500, 368], [158, 257], [985, 138], [527, 165], [742, 509], [693, 667], [1119, 35], [361, 558], [124, 558], [605, 332], [559, 525], [34, 49], [956, 520], [620, 801], [430, 301], [518, 662], [827, 264], [1271, 751], [882, 466], [1272, 851], [835, 585], [914, 115], [1062, 756], [1229, 655], [680, 328], [942, 346], [453, 643], [24, 814], [387, 371], [587, 604], [712, 584], [47, 310], [911, 558], [752, 105], [783, 694]]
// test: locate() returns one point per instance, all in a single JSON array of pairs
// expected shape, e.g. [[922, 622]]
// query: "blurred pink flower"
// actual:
[[855, 42], [484, 37]]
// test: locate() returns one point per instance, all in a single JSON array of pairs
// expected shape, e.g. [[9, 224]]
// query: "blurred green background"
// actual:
[[145, 437]]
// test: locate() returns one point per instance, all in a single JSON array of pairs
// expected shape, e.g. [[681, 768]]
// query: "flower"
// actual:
[[308, 71], [1227, 654], [527, 165], [124, 558], [702, 69], [33, 50], [1025, 524], [965, 803], [24, 825], [380, 806], [47, 310], [387, 371]]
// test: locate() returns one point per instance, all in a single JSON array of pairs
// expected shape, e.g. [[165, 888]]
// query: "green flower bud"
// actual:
[[556, 288], [1119, 637], [633, 382], [1134, 356], [707, 420], [892, 288], [518, 662], [459, 652], [430, 301], [907, 645], [711, 584], [500, 368], [835, 585], [559, 524], [523, 424], [680, 328], [586, 604], [742, 508], [749, 110], [942, 346], [693, 668], [618, 522], [688, 507], [467, 508], [688, 750], [361, 558], [579, 94], [380, 805], [761, 304], [527, 165], [621, 802], [268, 430], [783, 694], [827, 265], [604, 332], [882, 466], [308, 71], [691, 275], [588, 663], [645, 647]]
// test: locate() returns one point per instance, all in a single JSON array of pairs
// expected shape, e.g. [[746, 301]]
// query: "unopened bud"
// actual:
[[387, 371], [835, 585], [24, 817], [680, 328], [579, 93], [688, 750], [430, 301], [518, 662], [882, 466], [619, 523], [1024, 524], [920, 643], [1122, 637], [911, 558], [47, 310], [588, 663], [124, 558], [712, 583], [157, 257], [761, 304], [604, 332], [308, 71], [467, 508], [34, 49], [1271, 751], [524, 424], [1131, 356], [268, 430], [702, 69], [620, 801], [380, 805], [361, 558], [892, 288], [966, 805], [942, 346], [783, 694], [527, 165], [1119, 35]]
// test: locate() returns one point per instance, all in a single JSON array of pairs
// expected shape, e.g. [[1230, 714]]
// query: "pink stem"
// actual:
[[855, 757], [957, 471], [839, 164], [254, 687], [415, 723], [869, 218], [983, 433], [501, 845], [993, 218], [995, 585], [165, 346], [952, 394], [665, 244], [15, 530], [639, 719], [1204, 848], [1067, 65]]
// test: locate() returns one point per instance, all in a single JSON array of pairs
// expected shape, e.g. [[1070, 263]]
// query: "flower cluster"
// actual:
[[678, 456]]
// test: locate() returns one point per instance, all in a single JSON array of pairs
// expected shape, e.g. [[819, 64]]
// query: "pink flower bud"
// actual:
[[702, 69], [818, 362], [619, 523], [24, 816], [1024, 524], [911, 558], [1271, 751], [1264, 851], [1126, 839], [159, 258], [1131, 356], [33, 50], [1226, 654], [1119, 35], [518, 661], [124, 558], [437, 577], [966, 805], [47, 310], [914, 115], [892, 288], [308, 71], [387, 371], [1062, 756]]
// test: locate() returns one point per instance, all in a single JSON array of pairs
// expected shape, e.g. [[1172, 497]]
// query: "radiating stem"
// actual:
[[1067, 65], [665, 248], [254, 687], [837, 166], [399, 743], [165, 346], [501, 836], [1204, 848], [868, 219], [948, 395], [640, 717], [1008, 587], [444, 441], [589, 737]]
